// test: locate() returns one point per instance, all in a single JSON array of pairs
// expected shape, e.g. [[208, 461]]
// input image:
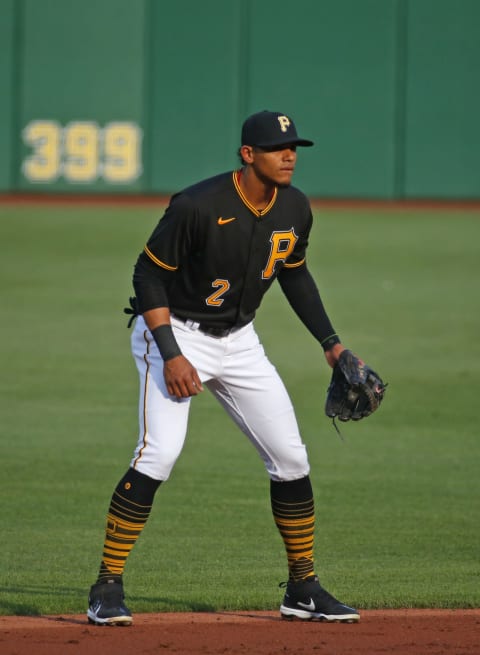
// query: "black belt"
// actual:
[[217, 332]]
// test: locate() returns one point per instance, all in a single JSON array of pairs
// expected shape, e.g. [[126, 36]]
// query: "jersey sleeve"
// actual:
[[298, 256], [171, 240]]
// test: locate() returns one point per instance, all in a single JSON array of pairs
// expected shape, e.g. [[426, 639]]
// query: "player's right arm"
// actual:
[[181, 377], [151, 281]]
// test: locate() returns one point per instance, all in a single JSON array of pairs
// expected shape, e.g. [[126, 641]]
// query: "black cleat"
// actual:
[[106, 606], [308, 600]]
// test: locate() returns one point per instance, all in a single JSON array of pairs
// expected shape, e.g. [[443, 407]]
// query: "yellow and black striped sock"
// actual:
[[128, 513], [294, 514]]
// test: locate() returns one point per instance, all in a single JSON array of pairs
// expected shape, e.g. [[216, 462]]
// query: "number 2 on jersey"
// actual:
[[222, 286]]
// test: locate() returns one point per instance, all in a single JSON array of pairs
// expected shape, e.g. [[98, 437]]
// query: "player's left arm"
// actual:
[[303, 295]]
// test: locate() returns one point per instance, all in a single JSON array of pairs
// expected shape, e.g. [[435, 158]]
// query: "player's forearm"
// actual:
[[158, 322], [152, 301], [156, 317], [302, 293]]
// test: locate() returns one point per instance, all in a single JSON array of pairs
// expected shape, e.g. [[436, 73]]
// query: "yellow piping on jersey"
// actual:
[[159, 261], [302, 261], [249, 204]]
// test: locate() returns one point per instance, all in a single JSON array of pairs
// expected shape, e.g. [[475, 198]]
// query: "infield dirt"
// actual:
[[396, 632]]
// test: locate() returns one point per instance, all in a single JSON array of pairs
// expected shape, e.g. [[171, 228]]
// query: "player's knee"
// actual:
[[156, 462], [293, 466], [156, 470]]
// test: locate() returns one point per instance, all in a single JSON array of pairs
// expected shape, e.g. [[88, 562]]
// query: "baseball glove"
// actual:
[[355, 390]]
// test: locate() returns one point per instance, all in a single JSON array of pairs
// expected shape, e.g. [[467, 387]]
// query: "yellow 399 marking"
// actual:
[[82, 151], [81, 147], [222, 287], [44, 163]]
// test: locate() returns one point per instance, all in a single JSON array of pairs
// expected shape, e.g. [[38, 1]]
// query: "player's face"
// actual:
[[275, 165]]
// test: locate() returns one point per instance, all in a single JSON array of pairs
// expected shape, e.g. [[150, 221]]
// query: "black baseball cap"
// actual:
[[268, 129]]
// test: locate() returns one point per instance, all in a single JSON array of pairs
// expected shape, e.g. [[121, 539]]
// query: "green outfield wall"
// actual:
[[115, 96], [8, 99]]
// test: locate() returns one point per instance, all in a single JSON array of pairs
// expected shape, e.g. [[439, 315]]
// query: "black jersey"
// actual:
[[219, 254]]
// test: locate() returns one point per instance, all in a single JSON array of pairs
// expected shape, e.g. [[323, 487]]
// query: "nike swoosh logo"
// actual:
[[224, 221], [310, 606]]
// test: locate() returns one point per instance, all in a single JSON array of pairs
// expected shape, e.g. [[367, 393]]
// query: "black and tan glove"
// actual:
[[355, 390]]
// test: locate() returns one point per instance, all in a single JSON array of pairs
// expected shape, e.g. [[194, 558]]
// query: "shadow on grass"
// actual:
[[11, 602]]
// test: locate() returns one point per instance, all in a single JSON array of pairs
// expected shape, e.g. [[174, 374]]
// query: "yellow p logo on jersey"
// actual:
[[282, 245], [284, 122]]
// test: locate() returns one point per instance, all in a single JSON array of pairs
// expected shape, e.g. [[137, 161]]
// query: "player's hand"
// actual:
[[333, 354], [181, 378]]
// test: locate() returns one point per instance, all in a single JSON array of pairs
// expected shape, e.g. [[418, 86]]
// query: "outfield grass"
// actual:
[[398, 501]]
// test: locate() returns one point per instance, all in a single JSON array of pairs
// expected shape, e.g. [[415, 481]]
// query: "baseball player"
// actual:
[[198, 283]]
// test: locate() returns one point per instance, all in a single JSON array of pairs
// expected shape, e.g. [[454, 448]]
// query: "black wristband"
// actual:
[[330, 341], [166, 342]]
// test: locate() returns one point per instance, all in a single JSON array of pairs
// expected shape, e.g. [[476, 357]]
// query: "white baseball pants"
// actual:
[[236, 370]]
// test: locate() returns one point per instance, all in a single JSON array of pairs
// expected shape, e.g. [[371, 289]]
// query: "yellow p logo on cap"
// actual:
[[284, 122]]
